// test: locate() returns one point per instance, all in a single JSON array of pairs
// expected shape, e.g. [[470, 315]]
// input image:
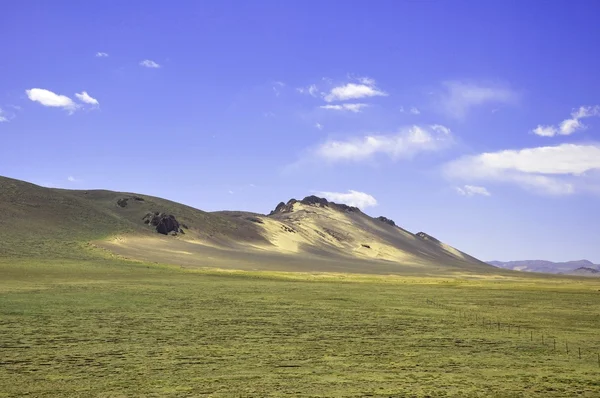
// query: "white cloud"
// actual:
[[3, 116], [71, 179], [101, 54], [319, 126], [354, 91], [458, 98], [148, 63], [351, 198], [311, 90], [345, 107], [408, 142], [472, 190], [554, 170], [85, 97], [545, 131], [568, 126], [48, 98]]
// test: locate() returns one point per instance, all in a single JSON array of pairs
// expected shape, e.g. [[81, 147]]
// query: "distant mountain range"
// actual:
[[578, 267]]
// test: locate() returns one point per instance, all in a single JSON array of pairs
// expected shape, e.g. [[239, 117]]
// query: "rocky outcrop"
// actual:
[[123, 202], [314, 201], [386, 220], [284, 207], [164, 223], [424, 236]]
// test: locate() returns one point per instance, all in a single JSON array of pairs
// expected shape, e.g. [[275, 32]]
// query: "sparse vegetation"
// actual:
[[113, 328]]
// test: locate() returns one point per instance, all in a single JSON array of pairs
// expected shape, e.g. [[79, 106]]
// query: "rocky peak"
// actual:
[[386, 220], [314, 201]]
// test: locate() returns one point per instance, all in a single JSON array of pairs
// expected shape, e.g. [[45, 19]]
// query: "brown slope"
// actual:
[[308, 235]]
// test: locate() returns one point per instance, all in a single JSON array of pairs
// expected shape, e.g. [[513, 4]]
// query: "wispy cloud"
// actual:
[[71, 179], [345, 107], [354, 91], [277, 86], [3, 116], [556, 170], [311, 90], [85, 97], [413, 110], [319, 126], [148, 63], [101, 54], [51, 99], [568, 126], [472, 190], [458, 98], [358, 199], [404, 144]]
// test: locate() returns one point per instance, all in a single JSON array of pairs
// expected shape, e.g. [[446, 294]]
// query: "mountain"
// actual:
[[544, 266], [311, 234]]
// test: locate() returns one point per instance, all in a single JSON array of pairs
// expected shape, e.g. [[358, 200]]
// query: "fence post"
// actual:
[[554, 344], [519, 330], [542, 338], [567, 345], [532, 335], [579, 352]]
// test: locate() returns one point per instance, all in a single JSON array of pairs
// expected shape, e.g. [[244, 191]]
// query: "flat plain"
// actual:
[[107, 327]]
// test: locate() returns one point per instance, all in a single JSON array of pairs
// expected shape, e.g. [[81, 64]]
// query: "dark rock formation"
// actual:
[[165, 223], [255, 219], [288, 229], [123, 202], [314, 201], [386, 220], [283, 207], [367, 246]]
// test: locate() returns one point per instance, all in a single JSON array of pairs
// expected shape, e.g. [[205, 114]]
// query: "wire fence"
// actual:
[[518, 330]]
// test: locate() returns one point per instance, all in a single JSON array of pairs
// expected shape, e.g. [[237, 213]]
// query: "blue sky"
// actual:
[[476, 122]]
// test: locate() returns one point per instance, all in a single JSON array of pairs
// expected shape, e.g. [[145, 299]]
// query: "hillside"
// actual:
[[301, 235]]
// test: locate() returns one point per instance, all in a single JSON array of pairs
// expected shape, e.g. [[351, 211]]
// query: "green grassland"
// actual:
[[105, 327]]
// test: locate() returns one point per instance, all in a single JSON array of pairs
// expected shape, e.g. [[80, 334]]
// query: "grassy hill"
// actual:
[[308, 235], [38, 221]]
